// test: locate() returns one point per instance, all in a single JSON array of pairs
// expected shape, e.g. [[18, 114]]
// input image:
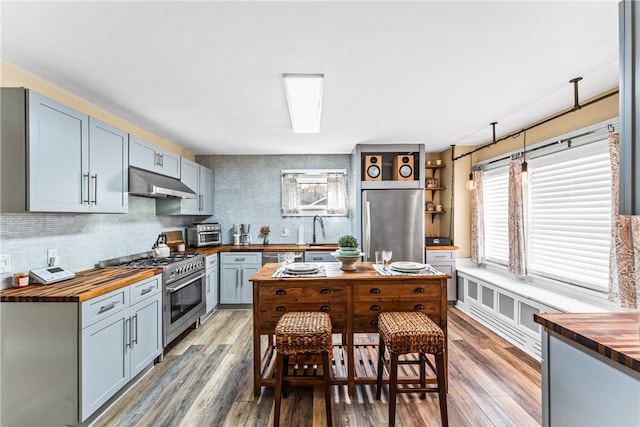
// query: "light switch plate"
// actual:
[[5, 264]]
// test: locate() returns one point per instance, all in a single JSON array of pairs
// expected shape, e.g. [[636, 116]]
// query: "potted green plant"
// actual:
[[348, 245]]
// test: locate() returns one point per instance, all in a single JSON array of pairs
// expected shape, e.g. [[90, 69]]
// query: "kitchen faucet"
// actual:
[[317, 218]]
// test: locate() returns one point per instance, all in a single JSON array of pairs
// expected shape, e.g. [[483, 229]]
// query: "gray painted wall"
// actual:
[[246, 189]]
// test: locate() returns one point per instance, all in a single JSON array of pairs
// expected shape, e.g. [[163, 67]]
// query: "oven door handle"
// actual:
[[172, 289]]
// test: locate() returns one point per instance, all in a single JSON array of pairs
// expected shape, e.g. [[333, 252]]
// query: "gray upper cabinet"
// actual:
[[108, 168], [147, 156], [200, 180], [72, 163]]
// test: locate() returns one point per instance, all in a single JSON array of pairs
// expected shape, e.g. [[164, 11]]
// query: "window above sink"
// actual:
[[310, 192]]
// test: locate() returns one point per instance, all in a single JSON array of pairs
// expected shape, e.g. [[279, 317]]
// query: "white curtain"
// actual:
[[517, 242], [477, 220], [290, 196], [337, 193]]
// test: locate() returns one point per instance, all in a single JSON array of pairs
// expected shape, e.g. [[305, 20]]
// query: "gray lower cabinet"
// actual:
[[444, 261], [144, 155], [75, 356], [68, 161], [211, 289], [236, 268]]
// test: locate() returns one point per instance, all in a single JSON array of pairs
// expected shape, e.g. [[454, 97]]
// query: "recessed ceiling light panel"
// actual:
[[304, 98]]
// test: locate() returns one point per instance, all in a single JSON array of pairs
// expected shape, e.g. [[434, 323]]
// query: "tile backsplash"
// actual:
[[247, 189], [82, 239]]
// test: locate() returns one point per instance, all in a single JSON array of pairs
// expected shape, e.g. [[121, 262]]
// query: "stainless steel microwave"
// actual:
[[204, 234]]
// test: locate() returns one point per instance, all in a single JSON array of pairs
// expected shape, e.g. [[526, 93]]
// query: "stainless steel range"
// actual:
[[183, 285]]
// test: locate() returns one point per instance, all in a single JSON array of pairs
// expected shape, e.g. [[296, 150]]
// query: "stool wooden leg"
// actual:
[[393, 388], [278, 396], [326, 370], [423, 373], [381, 350], [442, 388], [285, 372]]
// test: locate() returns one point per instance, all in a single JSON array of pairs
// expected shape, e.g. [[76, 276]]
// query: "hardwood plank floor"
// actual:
[[206, 380]]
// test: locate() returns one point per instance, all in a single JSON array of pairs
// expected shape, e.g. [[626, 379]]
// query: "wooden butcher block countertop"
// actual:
[[615, 336], [86, 285]]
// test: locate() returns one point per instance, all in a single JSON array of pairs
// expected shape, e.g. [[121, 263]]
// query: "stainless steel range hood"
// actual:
[[148, 184]]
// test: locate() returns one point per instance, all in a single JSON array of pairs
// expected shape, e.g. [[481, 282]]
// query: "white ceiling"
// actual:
[[207, 74]]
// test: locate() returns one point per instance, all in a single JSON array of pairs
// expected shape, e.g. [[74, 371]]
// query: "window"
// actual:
[[570, 215], [495, 186], [314, 192], [567, 212]]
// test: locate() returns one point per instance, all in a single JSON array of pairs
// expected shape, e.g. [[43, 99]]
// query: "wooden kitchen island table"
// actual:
[[353, 300]]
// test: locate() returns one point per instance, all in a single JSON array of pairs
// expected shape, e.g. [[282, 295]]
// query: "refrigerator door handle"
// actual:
[[367, 231]]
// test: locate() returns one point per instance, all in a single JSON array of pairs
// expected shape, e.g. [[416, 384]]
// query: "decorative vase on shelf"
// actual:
[[265, 240]]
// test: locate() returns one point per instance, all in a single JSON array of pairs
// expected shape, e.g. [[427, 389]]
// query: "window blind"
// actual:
[[569, 215], [495, 195]]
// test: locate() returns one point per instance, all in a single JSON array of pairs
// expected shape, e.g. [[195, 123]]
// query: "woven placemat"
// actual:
[[429, 271], [282, 273]]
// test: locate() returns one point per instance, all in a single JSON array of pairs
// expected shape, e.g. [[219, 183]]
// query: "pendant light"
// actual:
[[471, 184], [524, 172]]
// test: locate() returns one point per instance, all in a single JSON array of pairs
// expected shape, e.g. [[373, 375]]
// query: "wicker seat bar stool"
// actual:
[[303, 334], [405, 333]]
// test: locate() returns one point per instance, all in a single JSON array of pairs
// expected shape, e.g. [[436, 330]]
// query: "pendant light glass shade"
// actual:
[[524, 174], [471, 184]]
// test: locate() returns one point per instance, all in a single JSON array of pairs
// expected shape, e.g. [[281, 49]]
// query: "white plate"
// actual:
[[301, 267], [406, 266]]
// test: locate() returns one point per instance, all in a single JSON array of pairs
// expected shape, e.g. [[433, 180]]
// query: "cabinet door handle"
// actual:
[[281, 292], [325, 291], [86, 177], [127, 332], [160, 159], [374, 291], [200, 202], [374, 323], [316, 258], [107, 307], [135, 330], [374, 308], [95, 189], [146, 291], [281, 308], [239, 259], [325, 308], [419, 307], [419, 290]]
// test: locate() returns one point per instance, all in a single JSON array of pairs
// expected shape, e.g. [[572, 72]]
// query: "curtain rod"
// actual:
[[547, 120]]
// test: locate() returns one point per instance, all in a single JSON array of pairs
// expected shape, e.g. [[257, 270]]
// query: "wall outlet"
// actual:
[[5, 263], [285, 232]]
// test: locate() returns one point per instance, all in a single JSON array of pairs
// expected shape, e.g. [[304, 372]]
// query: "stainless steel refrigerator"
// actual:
[[393, 219]]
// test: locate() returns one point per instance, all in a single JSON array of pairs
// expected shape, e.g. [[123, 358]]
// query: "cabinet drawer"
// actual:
[[272, 295], [441, 256], [144, 289], [270, 314], [103, 306], [365, 317], [241, 257], [397, 292], [312, 256]]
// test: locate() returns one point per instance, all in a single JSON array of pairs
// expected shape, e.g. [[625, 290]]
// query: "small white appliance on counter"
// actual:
[[49, 275]]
